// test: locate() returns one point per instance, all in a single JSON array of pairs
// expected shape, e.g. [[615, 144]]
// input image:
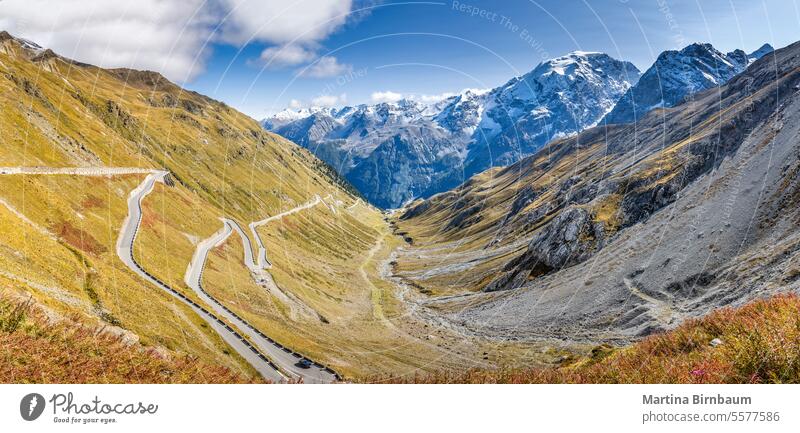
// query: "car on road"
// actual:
[[304, 363]]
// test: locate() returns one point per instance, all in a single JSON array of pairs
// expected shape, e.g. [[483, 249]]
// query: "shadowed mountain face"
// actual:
[[625, 229], [395, 152], [679, 74]]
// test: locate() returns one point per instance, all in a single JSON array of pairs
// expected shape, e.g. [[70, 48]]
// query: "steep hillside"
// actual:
[[78, 141], [626, 229], [36, 347], [394, 152], [61, 230]]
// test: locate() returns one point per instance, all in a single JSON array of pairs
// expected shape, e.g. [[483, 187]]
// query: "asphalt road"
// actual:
[[285, 358], [263, 262], [125, 241], [272, 360]]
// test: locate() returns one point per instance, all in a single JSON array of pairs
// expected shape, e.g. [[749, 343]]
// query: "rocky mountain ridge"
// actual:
[[676, 75], [395, 152]]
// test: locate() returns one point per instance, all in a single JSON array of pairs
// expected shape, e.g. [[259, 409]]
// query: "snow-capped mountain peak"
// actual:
[[396, 151], [761, 52], [576, 61], [289, 115], [678, 74]]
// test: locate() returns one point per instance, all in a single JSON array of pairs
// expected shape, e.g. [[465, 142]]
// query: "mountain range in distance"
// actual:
[[394, 153]]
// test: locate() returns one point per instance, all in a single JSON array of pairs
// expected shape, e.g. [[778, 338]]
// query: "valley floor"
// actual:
[[757, 343], [331, 269]]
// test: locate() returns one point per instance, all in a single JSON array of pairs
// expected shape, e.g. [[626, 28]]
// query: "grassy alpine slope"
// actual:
[[36, 348], [59, 232], [58, 247], [58, 113]]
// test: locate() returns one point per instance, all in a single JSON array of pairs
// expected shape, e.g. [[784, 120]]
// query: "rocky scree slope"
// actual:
[[628, 228]]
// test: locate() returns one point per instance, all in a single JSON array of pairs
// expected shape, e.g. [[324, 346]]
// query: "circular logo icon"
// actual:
[[31, 406]]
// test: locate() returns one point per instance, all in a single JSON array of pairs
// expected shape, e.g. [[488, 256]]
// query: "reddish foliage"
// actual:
[[78, 238], [35, 351], [92, 202]]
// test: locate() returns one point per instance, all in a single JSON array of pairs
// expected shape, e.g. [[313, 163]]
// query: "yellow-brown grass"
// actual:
[[760, 343], [59, 232], [34, 349]]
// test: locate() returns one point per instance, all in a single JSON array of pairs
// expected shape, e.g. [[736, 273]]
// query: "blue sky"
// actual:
[[438, 47], [249, 53]]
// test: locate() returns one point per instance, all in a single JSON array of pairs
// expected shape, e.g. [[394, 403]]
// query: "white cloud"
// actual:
[[171, 37], [430, 99], [326, 66], [144, 34], [287, 55], [329, 100], [387, 96], [294, 104], [282, 21]]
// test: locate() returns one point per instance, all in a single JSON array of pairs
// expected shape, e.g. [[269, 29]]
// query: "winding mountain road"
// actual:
[[285, 358], [263, 278], [262, 262], [288, 362], [76, 171], [127, 236]]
